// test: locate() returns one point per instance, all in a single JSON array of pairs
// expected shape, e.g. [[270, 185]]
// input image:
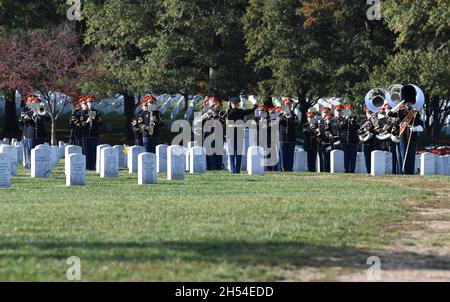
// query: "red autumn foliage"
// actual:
[[315, 10], [42, 60]]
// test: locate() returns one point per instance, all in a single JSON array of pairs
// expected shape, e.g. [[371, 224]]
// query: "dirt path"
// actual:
[[422, 249]]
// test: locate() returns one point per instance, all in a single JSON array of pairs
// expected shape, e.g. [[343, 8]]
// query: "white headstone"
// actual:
[[19, 146], [427, 164], [40, 163], [76, 170], [98, 159], [361, 164], [192, 144], [388, 168], [300, 161], [378, 163], [71, 149], [337, 161], [441, 165], [197, 157], [109, 163], [13, 142], [5, 171], [62, 149], [147, 169], [318, 163], [11, 152], [255, 161], [133, 153], [161, 158], [176, 162], [122, 156], [448, 163], [188, 161], [54, 150]]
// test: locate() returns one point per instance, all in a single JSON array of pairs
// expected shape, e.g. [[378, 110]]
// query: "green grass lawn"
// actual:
[[213, 227]]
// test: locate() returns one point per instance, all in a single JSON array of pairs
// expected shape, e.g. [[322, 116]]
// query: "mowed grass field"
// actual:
[[212, 227]]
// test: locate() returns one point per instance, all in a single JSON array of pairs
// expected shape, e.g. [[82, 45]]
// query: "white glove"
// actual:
[[253, 100], [417, 129]]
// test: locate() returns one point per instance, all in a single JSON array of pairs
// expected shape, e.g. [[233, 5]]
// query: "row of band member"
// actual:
[[85, 122], [342, 130], [322, 134]]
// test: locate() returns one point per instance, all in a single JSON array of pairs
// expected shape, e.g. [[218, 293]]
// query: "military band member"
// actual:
[[215, 161], [75, 132], [89, 121], [326, 137], [383, 127], [310, 139], [408, 126], [265, 120], [348, 133], [289, 124], [369, 145], [149, 122], [33, 120], [232, 115]]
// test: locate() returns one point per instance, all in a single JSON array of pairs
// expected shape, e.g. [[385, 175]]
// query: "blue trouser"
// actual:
[[287, 151], [235, 162], [150, 143], [367, 149], [350, 153], [90, 151], [28, 145], [410, 162], [324, 160], [392, 149], [214, 162], [312, 159]]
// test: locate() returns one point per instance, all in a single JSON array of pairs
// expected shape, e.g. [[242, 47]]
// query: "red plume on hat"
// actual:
[[349, 106], [328, 109], [338, 107], [287, 101], [262, 107]]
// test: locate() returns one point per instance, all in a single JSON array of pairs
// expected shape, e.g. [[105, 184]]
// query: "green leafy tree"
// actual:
[[312, 49], [422, 55]]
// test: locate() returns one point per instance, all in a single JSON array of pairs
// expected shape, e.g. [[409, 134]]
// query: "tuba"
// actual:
[[399, 95], [374, 100]]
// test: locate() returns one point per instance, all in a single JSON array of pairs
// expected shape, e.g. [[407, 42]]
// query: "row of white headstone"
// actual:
[[175, 161], [381, 163]]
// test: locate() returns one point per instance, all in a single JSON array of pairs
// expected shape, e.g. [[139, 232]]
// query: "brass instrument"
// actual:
[[375, 99], [151, 127], [365, 132], [410, 94]]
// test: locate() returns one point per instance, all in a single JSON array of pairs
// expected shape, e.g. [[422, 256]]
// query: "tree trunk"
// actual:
[[436, 120], [129, 109], [10, 122], [186, 98], [53, 133]]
